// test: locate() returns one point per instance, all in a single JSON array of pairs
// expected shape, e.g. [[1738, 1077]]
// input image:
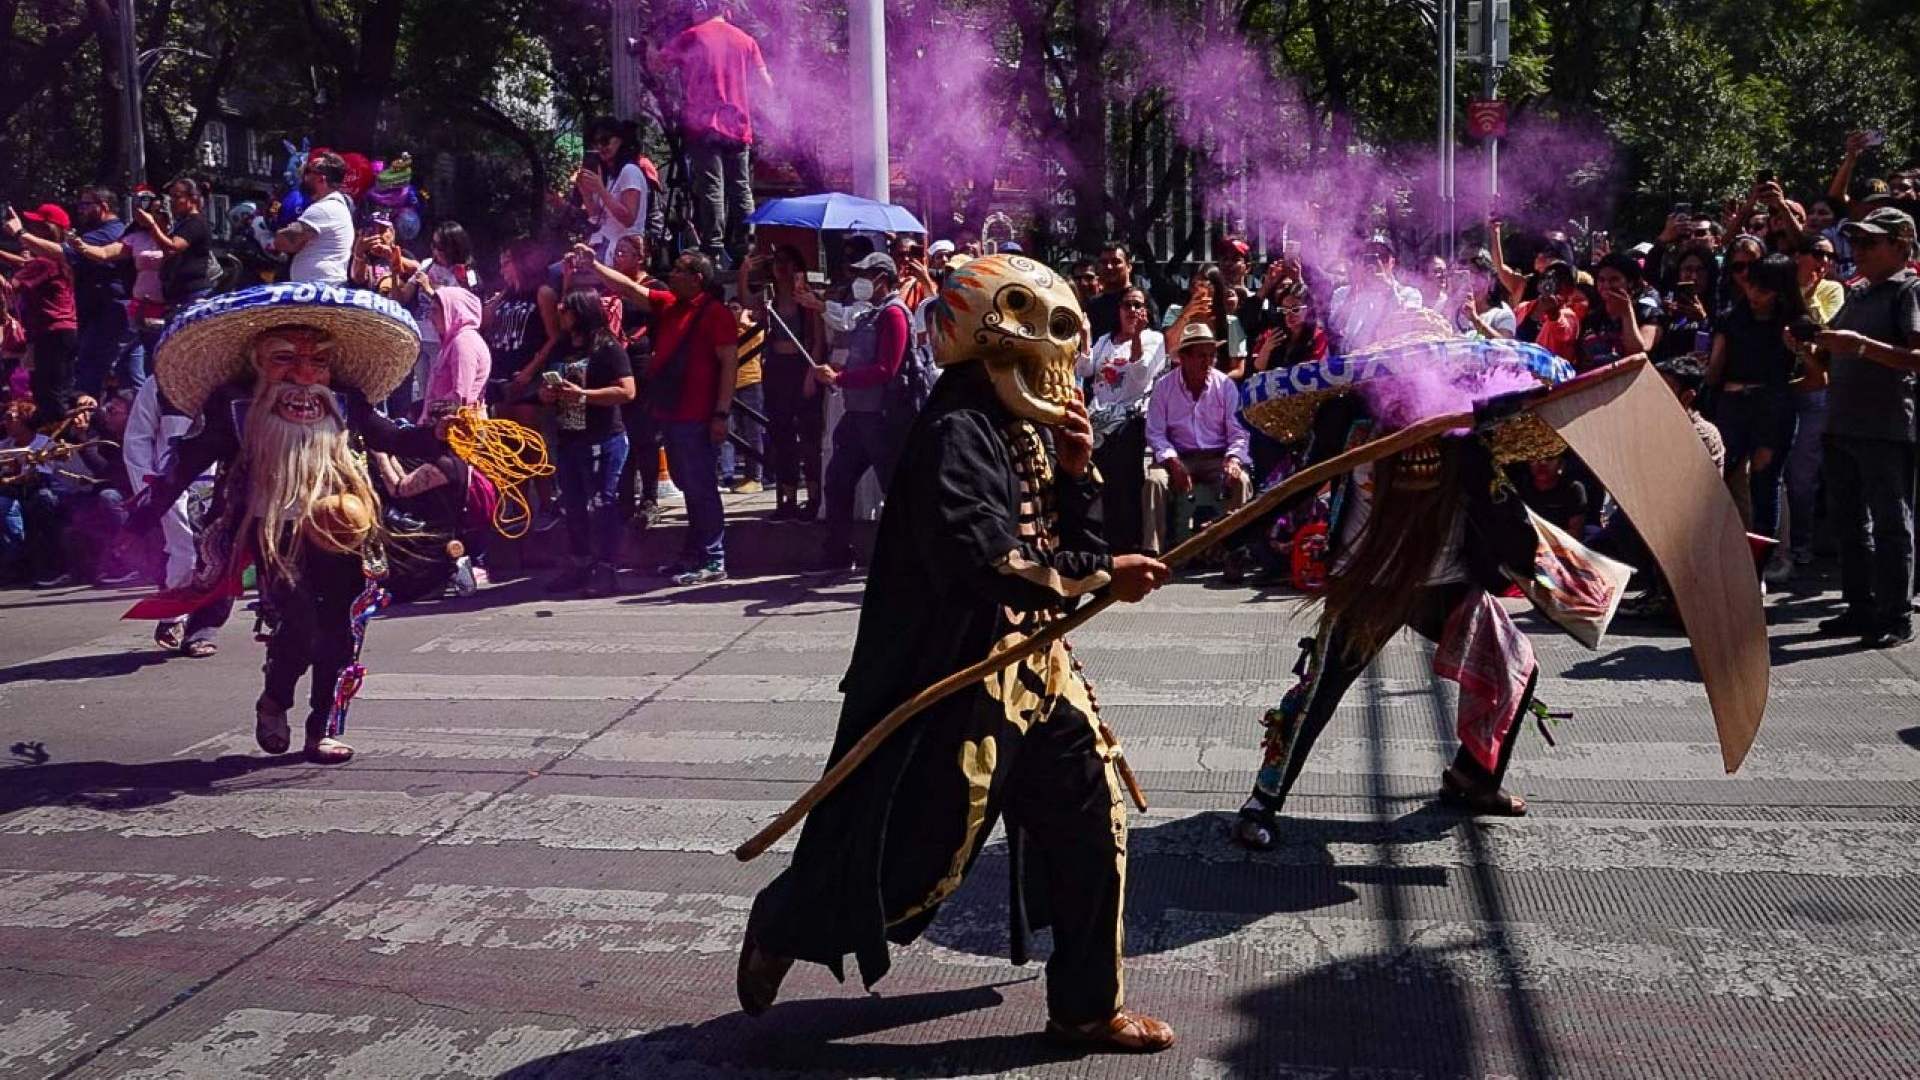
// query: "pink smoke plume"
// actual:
[[1423, 388], [1266, 160]]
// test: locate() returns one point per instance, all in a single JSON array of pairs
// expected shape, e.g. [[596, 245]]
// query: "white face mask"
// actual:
[[862, 289]]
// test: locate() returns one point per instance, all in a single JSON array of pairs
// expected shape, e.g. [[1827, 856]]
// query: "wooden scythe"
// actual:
[[1640, 445], [1575, 398]]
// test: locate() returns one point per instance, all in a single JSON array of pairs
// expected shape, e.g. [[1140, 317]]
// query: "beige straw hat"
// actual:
[[208, 345]]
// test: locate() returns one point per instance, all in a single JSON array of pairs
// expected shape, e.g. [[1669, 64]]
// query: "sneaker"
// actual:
[[115, 581], [170, 634], [645, 516], [674, 569], [464, 582], [53, 581], [572, 579], [704, 575], [746, 487], [1779, 571], [1847, 625], [602, 581], [1891, 637]]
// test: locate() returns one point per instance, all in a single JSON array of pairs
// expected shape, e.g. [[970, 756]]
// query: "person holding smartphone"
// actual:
[[585, 385], [611, 185]]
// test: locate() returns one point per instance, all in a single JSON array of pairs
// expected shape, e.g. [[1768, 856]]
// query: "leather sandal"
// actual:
[[1478, 800], [329, 752], [757, 979], [1122, 1033], [200, 649], [270, 729]]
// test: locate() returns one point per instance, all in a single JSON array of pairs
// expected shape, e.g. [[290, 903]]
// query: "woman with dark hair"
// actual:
[[640, 480], [586, 386], [1743, 251], [1551, 319], [1120, 369], [1299, 337], [611, 185], [1750, 371], [1689, 305], [1626, 319], [1211, 301], [772, 284], [1477, 300], [449, 264]]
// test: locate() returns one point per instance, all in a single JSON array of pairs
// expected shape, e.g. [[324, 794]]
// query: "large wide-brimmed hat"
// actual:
[[209, 344], [1420, 374]]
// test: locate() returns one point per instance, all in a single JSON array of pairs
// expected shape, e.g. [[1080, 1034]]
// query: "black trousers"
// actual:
[[1122, 461], [640, 476], [314, 632], [1870, 495], [796, 422], [1339, 671]]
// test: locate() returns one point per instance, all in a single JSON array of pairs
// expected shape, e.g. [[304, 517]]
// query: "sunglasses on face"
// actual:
[[1819, 253]]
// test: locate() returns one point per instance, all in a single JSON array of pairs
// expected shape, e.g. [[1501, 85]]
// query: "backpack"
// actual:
[[907, 394]]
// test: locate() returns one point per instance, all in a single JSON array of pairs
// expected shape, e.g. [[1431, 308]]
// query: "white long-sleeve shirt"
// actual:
[[147, 445], [1180, 423]]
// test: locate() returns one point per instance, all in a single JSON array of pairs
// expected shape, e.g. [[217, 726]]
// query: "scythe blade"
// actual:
[[1645, 452]]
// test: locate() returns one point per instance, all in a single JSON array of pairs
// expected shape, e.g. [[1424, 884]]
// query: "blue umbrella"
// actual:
[[836, 211]]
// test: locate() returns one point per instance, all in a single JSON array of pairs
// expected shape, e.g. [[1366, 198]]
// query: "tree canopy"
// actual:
[[1153, 120]]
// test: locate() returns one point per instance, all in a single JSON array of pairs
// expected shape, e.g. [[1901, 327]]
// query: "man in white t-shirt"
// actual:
[[321, 240]]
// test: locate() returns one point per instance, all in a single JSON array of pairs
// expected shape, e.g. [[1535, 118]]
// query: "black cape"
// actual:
[[951, 576]]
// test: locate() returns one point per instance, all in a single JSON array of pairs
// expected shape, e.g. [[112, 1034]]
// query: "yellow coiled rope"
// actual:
[[507, 453]]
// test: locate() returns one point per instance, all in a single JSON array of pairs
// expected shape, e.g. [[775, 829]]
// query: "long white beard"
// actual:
[[292, 466]]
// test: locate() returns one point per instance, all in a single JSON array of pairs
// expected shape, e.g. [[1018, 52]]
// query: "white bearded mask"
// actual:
[[303, 475], [1023, 322]]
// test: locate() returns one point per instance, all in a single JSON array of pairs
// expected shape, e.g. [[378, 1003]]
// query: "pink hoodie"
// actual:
[[460, 372]]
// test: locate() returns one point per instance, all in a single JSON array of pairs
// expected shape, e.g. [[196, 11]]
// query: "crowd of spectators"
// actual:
[[753, 364]]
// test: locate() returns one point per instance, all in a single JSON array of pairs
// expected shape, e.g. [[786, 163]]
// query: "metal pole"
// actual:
[[130, 99], [867, 49], [1447, 35], [1490, 89]]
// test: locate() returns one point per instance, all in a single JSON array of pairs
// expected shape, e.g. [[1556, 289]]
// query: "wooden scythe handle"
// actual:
[[1305, 480]]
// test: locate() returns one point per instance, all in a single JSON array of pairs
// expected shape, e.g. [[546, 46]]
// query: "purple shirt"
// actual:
[[1179, 423]]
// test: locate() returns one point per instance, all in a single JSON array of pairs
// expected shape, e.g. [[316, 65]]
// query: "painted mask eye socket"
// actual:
[[1064, 325], [1018, 300]]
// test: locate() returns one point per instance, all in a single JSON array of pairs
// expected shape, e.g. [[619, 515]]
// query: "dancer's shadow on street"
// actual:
[[76, 668], [118, 786], [1188, 883], [810, 1035]]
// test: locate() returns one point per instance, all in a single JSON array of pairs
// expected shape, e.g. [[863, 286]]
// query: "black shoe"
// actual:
[[758, 975], [809, 511], [1236, 568], [602, 581], [1851, 624], [1891, 637], [835, 558], [572, 579]]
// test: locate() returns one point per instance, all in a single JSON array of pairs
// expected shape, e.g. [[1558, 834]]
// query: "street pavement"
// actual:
[[526, 872]]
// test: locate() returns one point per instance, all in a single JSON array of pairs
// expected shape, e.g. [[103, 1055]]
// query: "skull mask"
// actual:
[[1021, 320]]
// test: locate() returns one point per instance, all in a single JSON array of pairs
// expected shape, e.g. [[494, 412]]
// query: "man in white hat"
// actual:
[[279, 378], [1195, 436]]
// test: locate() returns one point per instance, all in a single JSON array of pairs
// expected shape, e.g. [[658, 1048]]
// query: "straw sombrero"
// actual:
[[208, 344]]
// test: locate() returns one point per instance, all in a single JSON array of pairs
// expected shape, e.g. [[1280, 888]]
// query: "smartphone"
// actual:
[[1683, 209], [1685, 290], [1875, 138], [551, 378]]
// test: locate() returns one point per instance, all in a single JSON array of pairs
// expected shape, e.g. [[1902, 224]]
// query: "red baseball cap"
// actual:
[[49, 212]]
